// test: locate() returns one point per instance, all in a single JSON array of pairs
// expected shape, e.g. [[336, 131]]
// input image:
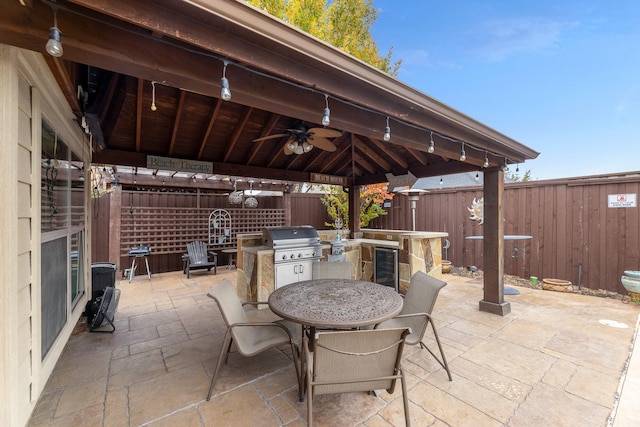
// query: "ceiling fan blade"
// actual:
[[323, 144], [286, 147], [280, 135], [325, 132]]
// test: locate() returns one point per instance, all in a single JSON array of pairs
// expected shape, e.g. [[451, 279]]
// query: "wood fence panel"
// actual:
[[569, 220]]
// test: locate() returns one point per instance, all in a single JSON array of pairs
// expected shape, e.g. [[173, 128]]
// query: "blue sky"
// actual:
[[560, 76]]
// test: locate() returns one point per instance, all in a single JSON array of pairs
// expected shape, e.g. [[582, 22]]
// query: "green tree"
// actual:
[[344, 24], [516, 176], [371, 198]]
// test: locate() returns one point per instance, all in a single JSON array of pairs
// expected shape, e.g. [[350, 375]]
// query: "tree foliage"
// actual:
[[371, 199], [516, 176], [344, 24]]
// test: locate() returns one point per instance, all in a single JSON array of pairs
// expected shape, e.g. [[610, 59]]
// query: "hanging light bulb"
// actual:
[[387, 131], [505, 168], [477, 178], [225, 92], [432, 145], [463, 156], [326, 120], [517, 167], [486, 160], [54, 44], [441, 181], [153, 96]]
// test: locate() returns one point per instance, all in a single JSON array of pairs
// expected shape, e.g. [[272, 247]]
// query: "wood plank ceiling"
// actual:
[[279, 78]]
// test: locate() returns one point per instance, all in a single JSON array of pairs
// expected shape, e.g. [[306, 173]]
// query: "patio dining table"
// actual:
[[334, 304]]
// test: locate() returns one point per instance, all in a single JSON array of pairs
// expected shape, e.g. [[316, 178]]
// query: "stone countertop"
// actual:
[[256, 249]]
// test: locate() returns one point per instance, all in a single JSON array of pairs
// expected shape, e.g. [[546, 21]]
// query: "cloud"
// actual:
[[421, 59], [499, 39]]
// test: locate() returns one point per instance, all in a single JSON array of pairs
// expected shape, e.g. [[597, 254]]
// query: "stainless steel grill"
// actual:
[[292, 243], [295, 249]]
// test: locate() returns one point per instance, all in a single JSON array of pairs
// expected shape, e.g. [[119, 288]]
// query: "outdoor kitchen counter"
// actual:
[[418, 251]]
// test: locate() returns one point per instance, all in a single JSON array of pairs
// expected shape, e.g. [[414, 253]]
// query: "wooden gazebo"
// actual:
[[121, 57]]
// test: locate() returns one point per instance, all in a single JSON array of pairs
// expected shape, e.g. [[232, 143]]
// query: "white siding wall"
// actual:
[[28, 92]]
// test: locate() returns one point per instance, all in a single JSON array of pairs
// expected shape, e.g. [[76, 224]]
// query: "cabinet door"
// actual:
[[286, 273], [305, 270]]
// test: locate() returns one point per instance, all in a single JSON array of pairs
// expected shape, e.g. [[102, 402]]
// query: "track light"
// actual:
[[486, 160], [54, 45], [432, 145], [387, 131], [153, 96], [326, 120], [463, 156], [225, 92]]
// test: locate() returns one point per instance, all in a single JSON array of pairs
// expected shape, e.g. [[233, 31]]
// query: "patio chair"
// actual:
[[331, 270], [349, 361], [250, 338], [416, 313], [198, 258]]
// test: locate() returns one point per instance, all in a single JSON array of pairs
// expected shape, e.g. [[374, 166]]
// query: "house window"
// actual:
[[62, 231]]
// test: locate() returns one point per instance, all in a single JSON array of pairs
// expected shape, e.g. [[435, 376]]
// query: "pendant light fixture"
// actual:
[[251, 202], [153, 96], [387, 131], [235, 198], [432, 145], [326, 120], [54, 45], [486, 160], [225, 92]]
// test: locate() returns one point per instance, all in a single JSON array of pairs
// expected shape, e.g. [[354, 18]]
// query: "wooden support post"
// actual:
[[115, 209], [286, 198], [493, 244], [354, 209]]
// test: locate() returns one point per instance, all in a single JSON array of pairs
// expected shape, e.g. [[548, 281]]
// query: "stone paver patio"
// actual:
[[551, 362]]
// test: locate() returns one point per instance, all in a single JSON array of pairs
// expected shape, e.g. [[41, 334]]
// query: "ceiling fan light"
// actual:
[[298, 149], [292, 146], [306, 147]]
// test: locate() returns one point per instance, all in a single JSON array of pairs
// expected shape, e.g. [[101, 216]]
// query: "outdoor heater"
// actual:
[[413, 194]]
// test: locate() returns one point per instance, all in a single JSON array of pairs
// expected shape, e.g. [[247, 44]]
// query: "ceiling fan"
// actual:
[[302, 139]]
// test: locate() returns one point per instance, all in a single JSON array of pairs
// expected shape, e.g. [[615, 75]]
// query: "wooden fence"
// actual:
[[574, 234]]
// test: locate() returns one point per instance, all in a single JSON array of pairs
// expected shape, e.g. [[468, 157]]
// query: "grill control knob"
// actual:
[[292, 256], [299, 255], [284, 257]]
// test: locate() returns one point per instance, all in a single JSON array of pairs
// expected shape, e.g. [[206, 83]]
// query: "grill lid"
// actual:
[[279, 237]]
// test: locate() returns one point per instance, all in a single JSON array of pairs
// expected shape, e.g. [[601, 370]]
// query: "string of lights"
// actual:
[[225, 91]]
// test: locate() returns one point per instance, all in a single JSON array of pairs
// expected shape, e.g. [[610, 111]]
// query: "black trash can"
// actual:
[[103, 274]]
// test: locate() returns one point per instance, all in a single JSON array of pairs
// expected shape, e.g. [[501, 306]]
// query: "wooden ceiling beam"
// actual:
[[267, 129], [212, 119], [139, 115], [176, 123], [233, 141]]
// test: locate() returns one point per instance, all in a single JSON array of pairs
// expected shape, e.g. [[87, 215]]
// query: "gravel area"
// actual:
[[526, 283]]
